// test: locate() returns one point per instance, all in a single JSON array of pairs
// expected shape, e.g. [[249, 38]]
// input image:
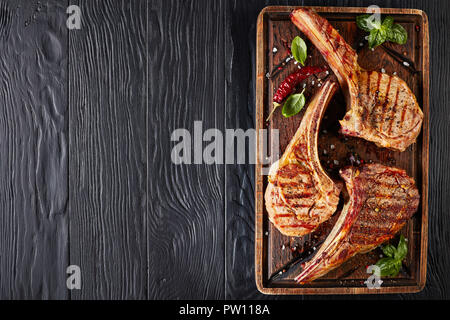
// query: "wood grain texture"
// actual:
[[351, 3], [141, 227], [33, 149], [239, 188], [107, 160], [186, 258], [348, 278]]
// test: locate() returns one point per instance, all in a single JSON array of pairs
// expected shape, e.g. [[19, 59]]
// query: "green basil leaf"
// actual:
[[389, 250], [367, 22], [392, 264], [388, 22], [388, 267], [381, 32], [361, 22], [397, 34], [395, 269], [402, 249], [293, 105], [398, 267], [377, 37], [299, 50]]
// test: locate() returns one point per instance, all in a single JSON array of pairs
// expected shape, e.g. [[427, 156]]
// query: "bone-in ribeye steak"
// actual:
[[382, 108], [300, 195], [382, 199]]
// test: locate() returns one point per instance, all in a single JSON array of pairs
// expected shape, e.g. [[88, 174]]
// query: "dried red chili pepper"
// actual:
[[288, 85]]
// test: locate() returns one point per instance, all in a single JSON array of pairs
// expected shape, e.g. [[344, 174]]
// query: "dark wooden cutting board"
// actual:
[[273, 250]]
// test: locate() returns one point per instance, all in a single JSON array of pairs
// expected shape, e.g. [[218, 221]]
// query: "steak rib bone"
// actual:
[[300, 195], [382, 199], [381, 108]]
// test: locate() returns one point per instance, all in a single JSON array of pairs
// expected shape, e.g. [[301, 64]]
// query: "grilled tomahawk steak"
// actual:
[[300, 195], [382, 199], [381, 108]]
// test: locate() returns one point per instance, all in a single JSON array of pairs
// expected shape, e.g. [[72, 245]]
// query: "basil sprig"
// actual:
[[293, 104], [392, 263], [299, 50], [397, 34], [379, 32]]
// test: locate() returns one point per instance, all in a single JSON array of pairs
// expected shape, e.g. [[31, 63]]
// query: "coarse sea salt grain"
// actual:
[[304, 85], [327, 72], [336, 162], [383, 70], [332, 147], [295, 62], [395, 73], [274, 50], [405, 63], [312, 82]]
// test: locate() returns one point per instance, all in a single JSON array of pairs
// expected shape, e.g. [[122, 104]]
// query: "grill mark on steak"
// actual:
[[394, 111], [299, 195], [386, 196], [305, 205], [385, 103], [299, 225], [360, 228], [404, 109], [282, 216], [382, 184], [391, 122], [373, 116], [364, 110], [277, 183], [367, 117], [291, 170], [377, 90]]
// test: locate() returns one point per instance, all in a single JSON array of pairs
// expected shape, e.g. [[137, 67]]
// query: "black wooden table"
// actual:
[[86, 176]]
